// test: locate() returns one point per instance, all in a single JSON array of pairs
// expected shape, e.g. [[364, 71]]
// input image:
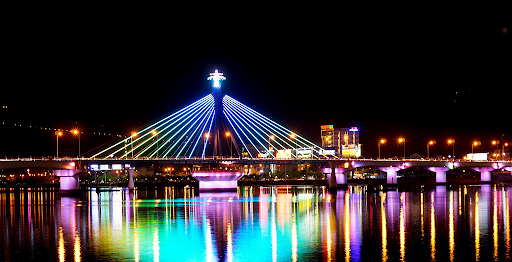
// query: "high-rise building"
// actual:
[[341, 142]]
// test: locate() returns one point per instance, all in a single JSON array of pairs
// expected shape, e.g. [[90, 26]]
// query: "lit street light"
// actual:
[[381, 142], [475, 143], [452, 142], [77, 133], [402, 140], [58, 133], [430, 143]]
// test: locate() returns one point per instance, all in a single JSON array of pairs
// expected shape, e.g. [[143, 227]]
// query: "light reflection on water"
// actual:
[[466, 223]]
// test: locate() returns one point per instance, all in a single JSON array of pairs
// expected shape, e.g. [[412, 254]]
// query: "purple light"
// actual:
[[217, 180]]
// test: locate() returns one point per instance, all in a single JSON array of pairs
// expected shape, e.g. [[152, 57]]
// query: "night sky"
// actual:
[[420, 81]]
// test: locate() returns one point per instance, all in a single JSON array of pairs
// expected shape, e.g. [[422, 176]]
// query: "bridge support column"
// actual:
[[485, 173], [131, 185], [440, 173], [390, 174], [335, 176], [69, 179]]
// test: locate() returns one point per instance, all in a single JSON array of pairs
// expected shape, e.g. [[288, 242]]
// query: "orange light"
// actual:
[[401, 140], [506, 144], [451, 141], [207, 135], [292, 135], [382, 141], [74, 131], [228, 134], [272, 137], [134, 133], [494, 142], [154, 132], [58, 133]]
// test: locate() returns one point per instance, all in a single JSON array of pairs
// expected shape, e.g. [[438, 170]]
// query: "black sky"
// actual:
[[418, 80]]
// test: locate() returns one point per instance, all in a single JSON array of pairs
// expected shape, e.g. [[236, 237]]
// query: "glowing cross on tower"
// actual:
[[216, 77]]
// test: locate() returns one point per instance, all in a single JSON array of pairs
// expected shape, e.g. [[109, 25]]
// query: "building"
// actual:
[[341, 142]]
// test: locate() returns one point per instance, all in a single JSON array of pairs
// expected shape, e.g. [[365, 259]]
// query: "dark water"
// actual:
[[467, 223]]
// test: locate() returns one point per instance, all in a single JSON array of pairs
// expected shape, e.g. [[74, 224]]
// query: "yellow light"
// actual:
[[431, 142], [451, 141], [494, 142], [134, 133], [382, 141], [59, 133], [154, 132], [228, 134], [207, 135], [272, 137], [292, 135], [74, 131], [401, 140], [475, 143]]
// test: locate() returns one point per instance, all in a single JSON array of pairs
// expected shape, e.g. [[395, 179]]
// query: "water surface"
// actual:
[[467, 223]]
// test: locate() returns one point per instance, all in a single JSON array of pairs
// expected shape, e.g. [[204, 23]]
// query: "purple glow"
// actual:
[[65, 172], [440, 173], [485, 173], [341, 179], [390, 173], [217, 180], [68, 183]]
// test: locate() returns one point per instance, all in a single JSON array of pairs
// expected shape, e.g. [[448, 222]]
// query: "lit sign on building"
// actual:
[[326, 127], [303, 153], [353, 129]]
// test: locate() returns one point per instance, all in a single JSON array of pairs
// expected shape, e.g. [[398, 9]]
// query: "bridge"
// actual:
[[199, 133], [70, 169]]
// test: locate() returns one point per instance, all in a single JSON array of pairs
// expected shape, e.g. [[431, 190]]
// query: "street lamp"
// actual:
[[131, 140], [154, 132], [206, 136], [381, 142], [58, 133], [402, 140], [430, 143], [452, 142], [77, 133], [475, 143], [229, 143]]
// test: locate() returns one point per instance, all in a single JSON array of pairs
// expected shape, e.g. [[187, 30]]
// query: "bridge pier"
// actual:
[[131, 185], [69, 179], [440, 173], [391, 178], [485, 173], [335, 176]]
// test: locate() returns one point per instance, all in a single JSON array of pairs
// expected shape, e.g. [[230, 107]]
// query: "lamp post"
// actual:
[[58, 133], [156, 133], [475, 143], [229, 143], [452, 142], [430, 143], [402, 140], [206, 136], [77, 133], [381, 142], [271, 137], [131, 140]]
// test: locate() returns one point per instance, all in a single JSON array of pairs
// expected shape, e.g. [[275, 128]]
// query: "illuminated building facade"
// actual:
[[340, 142]]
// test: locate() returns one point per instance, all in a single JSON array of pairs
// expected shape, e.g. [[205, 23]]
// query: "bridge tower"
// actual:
[[216, 77]]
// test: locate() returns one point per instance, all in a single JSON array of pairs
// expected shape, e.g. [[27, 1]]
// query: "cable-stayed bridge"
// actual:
[[205, 127], [198, 133]]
